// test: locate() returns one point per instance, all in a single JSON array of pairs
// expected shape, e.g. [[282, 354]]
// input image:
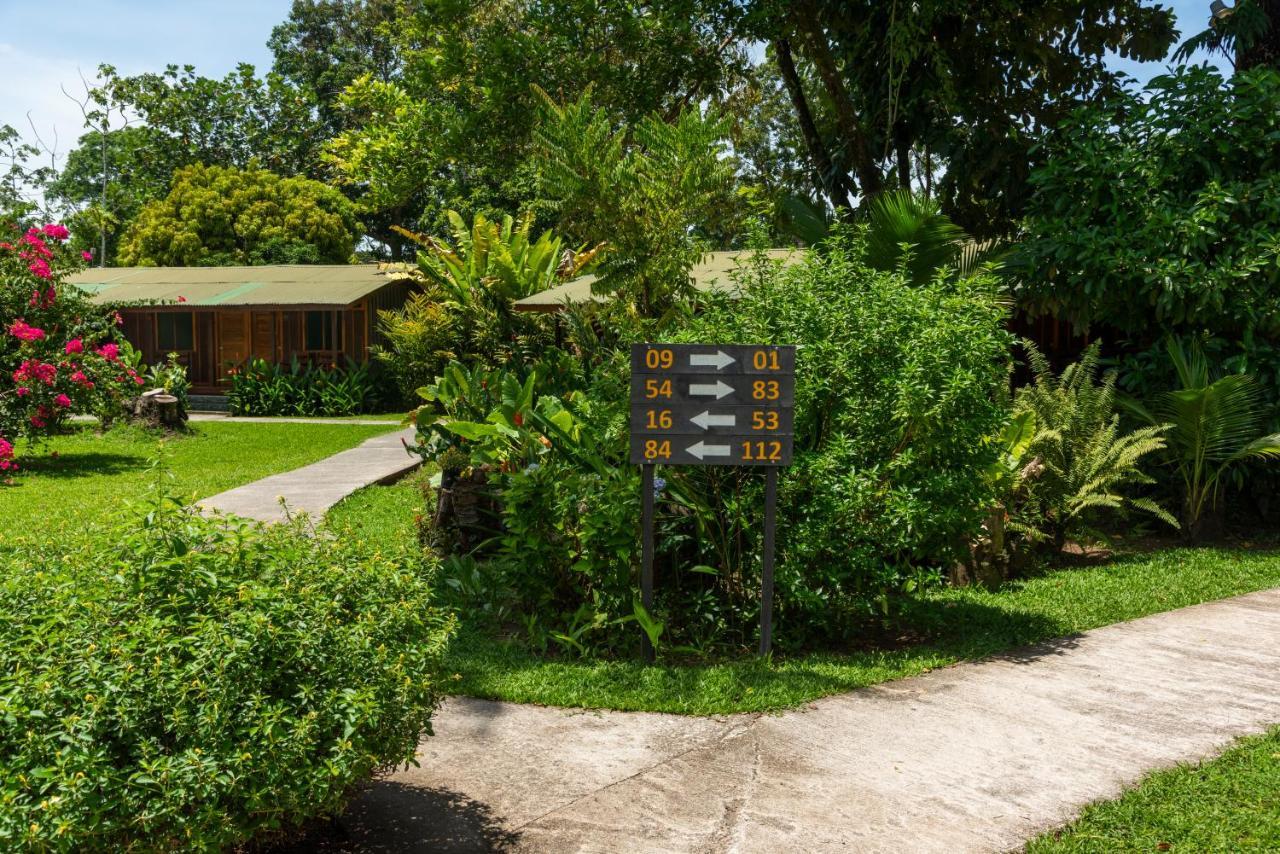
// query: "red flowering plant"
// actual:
[[59, 354]]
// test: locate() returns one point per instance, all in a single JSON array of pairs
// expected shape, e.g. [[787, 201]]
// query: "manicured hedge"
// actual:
[[188, 684]]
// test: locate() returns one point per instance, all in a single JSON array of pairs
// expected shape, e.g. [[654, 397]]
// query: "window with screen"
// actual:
[[175, 331], [320, 331]]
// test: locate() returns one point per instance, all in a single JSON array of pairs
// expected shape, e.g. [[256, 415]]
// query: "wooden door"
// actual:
[[233, 340], [264, 335]]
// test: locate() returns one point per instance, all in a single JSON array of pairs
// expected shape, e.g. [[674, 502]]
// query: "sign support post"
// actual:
[[766, 570], [646, 553]]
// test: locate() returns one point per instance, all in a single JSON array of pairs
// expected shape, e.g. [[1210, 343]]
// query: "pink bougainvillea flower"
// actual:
[[6, 449], [56, 231], [41, 268], [63, 401], [33, 370], [75, 345], [87, 255], [182, 299], [22, 331], [110, 352], [38, 422], [22, 391]]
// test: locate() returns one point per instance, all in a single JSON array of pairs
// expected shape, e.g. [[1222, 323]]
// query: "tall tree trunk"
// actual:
[[870, 181], [834, 181], [904, 163]]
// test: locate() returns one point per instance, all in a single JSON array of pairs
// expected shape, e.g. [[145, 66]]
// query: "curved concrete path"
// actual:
[[974, 758], [315, 488]]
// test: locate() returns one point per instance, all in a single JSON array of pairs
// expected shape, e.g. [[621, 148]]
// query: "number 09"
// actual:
[[663, 359]]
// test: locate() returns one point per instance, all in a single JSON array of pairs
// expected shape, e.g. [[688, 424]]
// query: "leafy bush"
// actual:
[[59, 354], [187, 684], [898, 392], [1077, 461], [171, 375], [303, 389]]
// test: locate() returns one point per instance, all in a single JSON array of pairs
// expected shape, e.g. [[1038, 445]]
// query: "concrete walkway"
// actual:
[[977, 757], [319, 486]]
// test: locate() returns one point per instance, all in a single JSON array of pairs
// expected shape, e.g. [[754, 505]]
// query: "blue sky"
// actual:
[[44, 46]]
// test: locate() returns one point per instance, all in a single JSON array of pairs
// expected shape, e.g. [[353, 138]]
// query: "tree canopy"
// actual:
[[216, 215]]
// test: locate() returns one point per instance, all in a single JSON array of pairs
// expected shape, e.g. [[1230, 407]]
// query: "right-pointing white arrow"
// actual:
[[706, 420], [719, 390], [701, 450], [718, 360]]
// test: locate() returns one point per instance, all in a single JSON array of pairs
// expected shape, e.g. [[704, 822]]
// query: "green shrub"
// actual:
[[187, 685], [899, 390], [265, 388]]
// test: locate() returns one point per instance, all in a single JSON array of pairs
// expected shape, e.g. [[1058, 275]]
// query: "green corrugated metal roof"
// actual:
[[292, 284], [713, 274]]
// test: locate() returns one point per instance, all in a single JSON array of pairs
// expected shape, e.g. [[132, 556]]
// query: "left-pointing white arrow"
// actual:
[[718, 390], [718, 360], [701, 450], [706, 420]]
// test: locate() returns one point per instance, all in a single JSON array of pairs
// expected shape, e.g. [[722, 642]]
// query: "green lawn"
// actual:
[[961, 624], [94, 477], [1227, 804]]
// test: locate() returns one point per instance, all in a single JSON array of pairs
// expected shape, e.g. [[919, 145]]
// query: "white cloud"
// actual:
[[33, 87]]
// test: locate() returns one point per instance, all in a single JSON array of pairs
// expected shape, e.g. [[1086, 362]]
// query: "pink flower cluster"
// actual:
[[22, 331], [110, 352], [6, 456], [35, 370]]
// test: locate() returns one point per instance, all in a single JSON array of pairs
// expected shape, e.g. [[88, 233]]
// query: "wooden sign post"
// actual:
[[712, 405]]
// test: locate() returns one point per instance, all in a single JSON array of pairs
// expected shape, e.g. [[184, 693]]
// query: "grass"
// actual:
[[1231, 803], [961, 624], [94, 477]]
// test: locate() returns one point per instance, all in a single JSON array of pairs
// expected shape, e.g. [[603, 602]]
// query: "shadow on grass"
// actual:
[[83, 464], [937, 633], [390, 816]]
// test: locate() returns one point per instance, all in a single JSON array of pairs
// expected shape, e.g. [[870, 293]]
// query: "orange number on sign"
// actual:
[[659, 419], [659, 359], [765, 390], [763, 420], [765, 360], [657, 388], [654, 450], [762, 452]]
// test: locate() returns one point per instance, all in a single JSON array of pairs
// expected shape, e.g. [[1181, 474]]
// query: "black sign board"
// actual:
[[713, 405]]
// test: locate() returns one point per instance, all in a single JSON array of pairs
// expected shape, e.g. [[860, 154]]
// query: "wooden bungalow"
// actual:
[[215, 318]]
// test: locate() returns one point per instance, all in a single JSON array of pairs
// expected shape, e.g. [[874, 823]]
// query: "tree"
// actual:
[[883, 89], [648, 191], [455, 129], [1158, 211], [216, 215], [1247, 33]]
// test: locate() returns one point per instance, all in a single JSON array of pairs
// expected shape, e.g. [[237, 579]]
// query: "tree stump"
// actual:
[[157, 410]]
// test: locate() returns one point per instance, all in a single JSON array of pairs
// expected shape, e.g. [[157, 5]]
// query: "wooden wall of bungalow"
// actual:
[[213, 340]]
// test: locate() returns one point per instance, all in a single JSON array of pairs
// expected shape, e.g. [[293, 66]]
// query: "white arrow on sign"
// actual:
[[702, 450], [718, 360], [719, 390], [706, 420]]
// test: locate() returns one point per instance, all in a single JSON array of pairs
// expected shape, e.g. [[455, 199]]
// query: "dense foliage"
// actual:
[[265, 388], [1158, 211], [186, 684], [897, 394], [215, 216], [59, 354]]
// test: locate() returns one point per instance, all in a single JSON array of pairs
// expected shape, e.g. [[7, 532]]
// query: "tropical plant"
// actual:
[[1078, 460], [652, 190], [259, 387], [171, 376], [465, 311], [1215, 426]]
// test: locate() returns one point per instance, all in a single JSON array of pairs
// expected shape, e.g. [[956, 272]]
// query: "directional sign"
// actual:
[[712, 404]]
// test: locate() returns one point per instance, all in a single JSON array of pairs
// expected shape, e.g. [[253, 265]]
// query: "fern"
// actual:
[[1079, 462]]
